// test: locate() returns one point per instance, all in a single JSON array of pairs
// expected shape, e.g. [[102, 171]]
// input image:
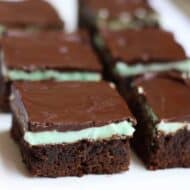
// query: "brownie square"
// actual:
[[50, 55], [28, 15], [161, 106], [117, 14], [130, 53], [71, 128]]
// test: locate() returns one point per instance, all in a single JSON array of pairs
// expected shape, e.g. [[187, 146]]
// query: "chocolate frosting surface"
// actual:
[[117, 7], [168, 97], [18, 14], [145, 45], [50, 50], [70, 106]]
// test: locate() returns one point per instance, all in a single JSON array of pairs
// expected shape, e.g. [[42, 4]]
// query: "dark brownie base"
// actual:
[[157, 150], [163, 151], [84, 157]]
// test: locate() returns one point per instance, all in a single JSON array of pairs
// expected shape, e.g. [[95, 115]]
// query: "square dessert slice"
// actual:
[[117, 14], [129, 53], [161, 105], [28, 15], [71, 128], [49, 55]]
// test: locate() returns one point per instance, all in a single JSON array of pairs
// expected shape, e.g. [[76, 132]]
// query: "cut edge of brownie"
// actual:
[[163, 151], [111, 62], [76, 159], [156, 149]]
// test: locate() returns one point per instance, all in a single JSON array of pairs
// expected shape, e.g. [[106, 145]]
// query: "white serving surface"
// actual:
[[13, 174]]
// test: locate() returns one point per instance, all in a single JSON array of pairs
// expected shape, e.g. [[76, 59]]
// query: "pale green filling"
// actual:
[[119, 23], [169, 128], [2, 30], [116, 24], [125, 70], [26, 29], [51, 74], [120, 129]]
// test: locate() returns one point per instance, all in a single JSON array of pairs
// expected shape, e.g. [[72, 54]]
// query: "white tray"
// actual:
[[13, 174]]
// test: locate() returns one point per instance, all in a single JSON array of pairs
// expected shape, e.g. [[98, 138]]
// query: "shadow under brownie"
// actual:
[[71, 128]]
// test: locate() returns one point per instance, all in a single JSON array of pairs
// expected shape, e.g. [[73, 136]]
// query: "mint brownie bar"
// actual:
[[130, 53], [161, 106], [71, 128], [49, 55]]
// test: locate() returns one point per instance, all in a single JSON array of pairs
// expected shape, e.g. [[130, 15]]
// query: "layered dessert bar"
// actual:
[[117, 14], [161, 106], [71, 128], [49, 55], [130, 53], [28, 15]]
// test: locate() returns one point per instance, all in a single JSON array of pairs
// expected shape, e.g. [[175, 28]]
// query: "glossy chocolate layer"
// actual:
[[168, 97], [50, 50], [28, 13], [145, 45], [68, 106], [116, 7]]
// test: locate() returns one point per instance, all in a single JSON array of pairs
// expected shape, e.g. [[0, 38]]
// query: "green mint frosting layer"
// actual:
[[125, 21], [172, 127], [120, 25], [51, 74], [120, 129], [2, 30], [125, 70]]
